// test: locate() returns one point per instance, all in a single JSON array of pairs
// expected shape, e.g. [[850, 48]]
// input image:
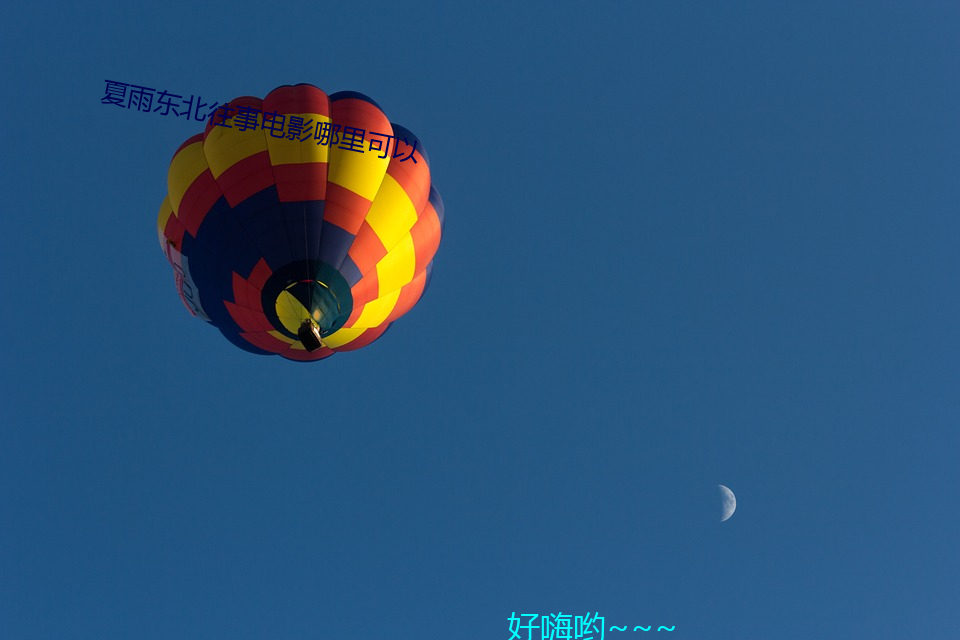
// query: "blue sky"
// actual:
[[685, 244]]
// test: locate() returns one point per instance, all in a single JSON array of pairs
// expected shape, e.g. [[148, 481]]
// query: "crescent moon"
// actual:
[[728, 502]]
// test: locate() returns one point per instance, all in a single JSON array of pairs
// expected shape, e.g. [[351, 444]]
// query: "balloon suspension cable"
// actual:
[[306, 262]]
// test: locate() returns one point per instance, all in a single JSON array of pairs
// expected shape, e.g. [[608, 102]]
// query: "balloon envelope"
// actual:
[[301, 210]]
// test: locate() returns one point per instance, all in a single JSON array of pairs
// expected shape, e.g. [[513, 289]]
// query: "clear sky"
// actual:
[[686, 244]]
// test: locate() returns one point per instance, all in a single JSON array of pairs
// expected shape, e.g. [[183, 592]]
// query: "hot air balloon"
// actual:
[[301, 224]]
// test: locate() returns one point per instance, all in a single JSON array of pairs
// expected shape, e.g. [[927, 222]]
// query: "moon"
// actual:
[[728, 502]]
